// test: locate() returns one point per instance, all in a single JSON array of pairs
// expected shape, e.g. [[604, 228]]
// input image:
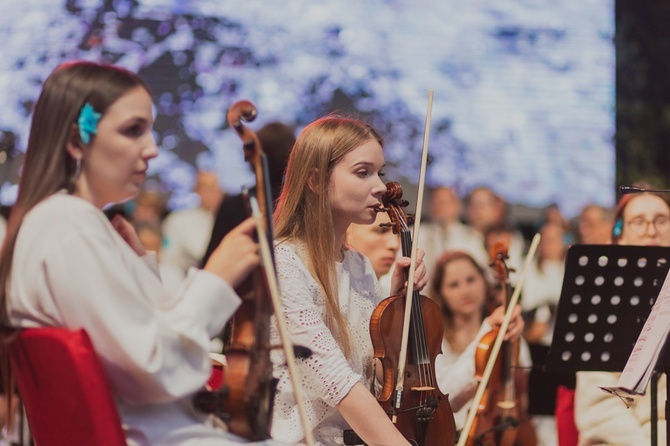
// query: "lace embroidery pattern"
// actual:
[[327, 376]]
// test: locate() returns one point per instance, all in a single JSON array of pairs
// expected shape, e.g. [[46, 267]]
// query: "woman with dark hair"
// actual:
[[64, 264], [460, 288]]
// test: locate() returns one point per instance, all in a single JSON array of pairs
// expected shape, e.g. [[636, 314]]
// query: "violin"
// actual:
[[501, 416], [247, 393], [419, 410], [248, 382]]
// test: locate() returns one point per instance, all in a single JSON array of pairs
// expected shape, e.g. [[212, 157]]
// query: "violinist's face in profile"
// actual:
[[463, 288], [379, 244], [646, 222], [114, 166], [355, 188]]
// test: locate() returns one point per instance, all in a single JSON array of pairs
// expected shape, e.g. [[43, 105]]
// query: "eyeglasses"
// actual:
[[640, 226]]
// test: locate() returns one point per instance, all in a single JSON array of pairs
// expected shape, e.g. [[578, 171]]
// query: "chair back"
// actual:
[[64, 389]]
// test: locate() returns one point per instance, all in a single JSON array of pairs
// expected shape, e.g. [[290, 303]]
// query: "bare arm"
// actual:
[[365, 416]]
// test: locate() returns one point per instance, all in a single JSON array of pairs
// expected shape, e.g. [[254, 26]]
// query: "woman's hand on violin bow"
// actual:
[[236, 255], [398, 282], [516, 325]]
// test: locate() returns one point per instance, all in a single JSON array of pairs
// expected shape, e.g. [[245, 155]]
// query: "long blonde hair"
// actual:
[[303, 211]]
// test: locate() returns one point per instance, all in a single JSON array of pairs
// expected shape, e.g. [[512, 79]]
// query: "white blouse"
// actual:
[[456, 373], [327, 376], [71, 269]]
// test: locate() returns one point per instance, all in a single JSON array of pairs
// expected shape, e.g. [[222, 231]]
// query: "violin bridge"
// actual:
[[506, 405], [423, 389]]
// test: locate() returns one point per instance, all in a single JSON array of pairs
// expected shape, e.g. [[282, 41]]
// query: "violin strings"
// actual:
[[417, 328]]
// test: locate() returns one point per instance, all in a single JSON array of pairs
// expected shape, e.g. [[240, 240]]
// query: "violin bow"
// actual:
[[412, 266], [481, 388], [266, 258]]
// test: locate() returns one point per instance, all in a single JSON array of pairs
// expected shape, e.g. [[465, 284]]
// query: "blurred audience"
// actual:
[[541, 292], [486, 217], [594, 225], [149, 205], [444, 230], [543, 284], [186, 232]]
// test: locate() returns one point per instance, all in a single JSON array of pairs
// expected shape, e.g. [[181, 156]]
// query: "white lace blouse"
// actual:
[[327, 376]]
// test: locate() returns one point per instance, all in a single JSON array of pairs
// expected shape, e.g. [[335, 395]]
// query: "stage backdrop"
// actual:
[[524, 89]]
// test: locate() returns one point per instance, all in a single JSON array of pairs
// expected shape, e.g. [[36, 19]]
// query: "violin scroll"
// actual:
[[245, 111], [393, 204]]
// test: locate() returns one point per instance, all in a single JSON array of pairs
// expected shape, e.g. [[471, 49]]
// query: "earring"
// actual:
[[618, 227], [77, 169]]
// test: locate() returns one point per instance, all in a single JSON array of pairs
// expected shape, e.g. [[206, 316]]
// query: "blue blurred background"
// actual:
[[524, 89]]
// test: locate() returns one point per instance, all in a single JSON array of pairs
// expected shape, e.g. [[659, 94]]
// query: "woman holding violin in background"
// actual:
[[64, 264], [459, 286]]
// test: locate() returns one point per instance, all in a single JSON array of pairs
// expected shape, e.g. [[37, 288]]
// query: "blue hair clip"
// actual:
[[618, 227], [88, 122]]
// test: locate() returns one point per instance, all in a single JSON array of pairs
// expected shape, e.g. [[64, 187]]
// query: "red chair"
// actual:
[[64, 389]]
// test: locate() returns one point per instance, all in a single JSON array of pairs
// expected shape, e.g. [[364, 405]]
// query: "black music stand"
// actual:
[[608, 292]]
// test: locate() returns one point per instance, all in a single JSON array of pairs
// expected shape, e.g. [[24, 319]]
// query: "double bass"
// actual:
[[418, 409]]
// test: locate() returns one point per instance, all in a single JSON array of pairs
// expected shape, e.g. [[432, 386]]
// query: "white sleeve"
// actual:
[[460, 376], [604, 418], [326, 373], [173, 262], [153, 349]]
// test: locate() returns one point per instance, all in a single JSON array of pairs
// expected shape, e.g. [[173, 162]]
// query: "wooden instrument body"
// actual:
[[248, 381], [425, 417], [501, 416]]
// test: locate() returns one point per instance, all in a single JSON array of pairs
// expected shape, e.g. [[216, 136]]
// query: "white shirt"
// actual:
[[436, 239], [71, 269], [603, 419], [456, 372], [186, 234], [541, 292], [327, 376]]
